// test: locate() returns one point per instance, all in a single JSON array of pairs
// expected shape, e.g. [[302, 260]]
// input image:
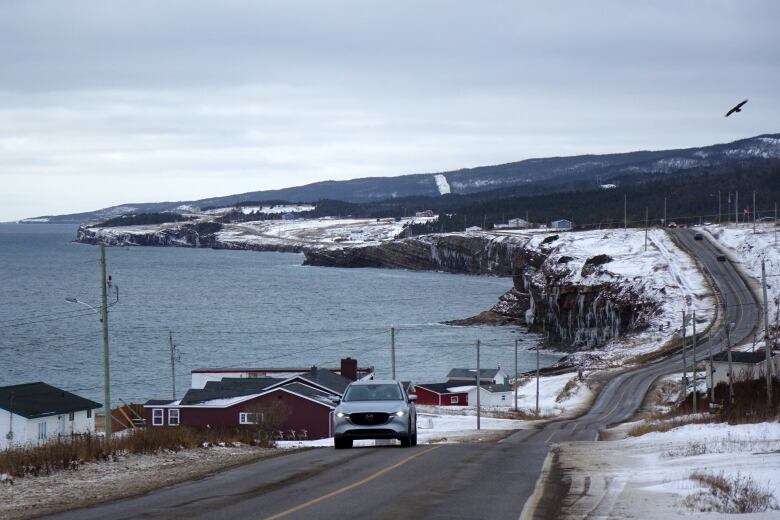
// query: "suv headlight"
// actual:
[[400, 413], [341, 415]]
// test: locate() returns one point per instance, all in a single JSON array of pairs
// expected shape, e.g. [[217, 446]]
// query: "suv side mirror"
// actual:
[[412, 397]]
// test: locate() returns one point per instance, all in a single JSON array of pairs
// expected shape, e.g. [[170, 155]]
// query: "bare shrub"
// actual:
[[568, 390], [70, 453], [740, 494]]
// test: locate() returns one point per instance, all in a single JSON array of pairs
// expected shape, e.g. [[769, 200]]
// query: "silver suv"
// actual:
[[375, 410]]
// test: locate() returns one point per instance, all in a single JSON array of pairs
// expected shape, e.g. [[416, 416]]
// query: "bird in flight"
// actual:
[[737, 108]]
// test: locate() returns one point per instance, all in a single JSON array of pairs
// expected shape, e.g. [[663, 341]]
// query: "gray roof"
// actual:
[[496, 388], [158, 402], [327, 379], [39, 399], [464, 373], [741, 357], [311, 393], [440, 388], [226, 390]]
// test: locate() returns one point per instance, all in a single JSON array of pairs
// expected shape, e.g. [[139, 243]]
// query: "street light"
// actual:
[[105, 287]]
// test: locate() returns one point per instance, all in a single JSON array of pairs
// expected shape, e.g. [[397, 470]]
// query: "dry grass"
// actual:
[[725, 494], [568, 390], [69, 454], [749, 406]]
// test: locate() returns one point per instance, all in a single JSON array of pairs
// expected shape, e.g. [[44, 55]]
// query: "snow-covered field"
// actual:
[[748, 249], [649, 476], [555, 398], [319, 232]]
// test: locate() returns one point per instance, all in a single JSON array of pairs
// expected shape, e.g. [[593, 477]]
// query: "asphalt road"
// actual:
[[470, 481]]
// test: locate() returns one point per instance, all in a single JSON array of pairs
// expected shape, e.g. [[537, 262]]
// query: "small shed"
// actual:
[[561, 224], [439, 394], [746, 366]]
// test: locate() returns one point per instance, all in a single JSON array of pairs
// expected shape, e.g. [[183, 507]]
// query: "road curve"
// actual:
[[470, 481]]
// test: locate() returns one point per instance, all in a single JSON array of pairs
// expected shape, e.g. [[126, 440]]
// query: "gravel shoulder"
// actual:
[[130, 475]]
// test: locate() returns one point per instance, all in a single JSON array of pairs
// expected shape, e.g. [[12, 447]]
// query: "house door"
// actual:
[[62, 422]]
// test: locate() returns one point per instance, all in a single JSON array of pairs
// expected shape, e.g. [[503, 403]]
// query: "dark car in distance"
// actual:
[[698, 236]]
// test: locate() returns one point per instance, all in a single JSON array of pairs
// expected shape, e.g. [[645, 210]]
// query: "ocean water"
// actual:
[[225, 309]]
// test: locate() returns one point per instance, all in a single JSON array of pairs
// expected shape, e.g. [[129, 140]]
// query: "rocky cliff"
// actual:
[[579, 301]]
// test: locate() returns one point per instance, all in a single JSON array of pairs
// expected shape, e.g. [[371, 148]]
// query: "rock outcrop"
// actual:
[[580, 308]]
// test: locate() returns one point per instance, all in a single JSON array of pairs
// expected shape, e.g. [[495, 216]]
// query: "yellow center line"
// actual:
[[551, 436], [351, 486], [575, 427]]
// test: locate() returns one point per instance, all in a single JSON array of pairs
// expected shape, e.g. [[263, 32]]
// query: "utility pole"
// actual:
[[547, 337], [736, 208], [754, 212], [625, 212], [712, 376], [684, 373], [664, 212], [731, 368], [718, 206], [172, 346], [775, 226], [693, 353], [767, 346], [479, 411], [392, 351], [515, 385], [104, 319], [645, 229]]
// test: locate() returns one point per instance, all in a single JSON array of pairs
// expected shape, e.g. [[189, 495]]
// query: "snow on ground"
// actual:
[[323, 231], [436, 428], [663, 273], [442, 184], [553, 400], [268, 210], [649, 476], [748, 249]]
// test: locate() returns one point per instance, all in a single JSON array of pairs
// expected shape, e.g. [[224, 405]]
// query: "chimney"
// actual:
[[349, 368], [314, 371]]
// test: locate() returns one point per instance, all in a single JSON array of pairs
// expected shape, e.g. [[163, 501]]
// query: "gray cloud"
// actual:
[[110, 102]]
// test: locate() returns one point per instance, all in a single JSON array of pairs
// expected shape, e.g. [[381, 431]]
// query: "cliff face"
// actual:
[[201, 234], [452, 253], [581, 307]]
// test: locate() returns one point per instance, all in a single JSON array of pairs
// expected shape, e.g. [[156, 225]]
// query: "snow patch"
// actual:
[[442, 184]]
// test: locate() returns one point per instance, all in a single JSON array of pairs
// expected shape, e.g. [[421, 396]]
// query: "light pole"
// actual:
[[103, 313]]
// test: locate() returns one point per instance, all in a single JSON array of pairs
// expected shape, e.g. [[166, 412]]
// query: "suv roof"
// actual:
[[375, 382]]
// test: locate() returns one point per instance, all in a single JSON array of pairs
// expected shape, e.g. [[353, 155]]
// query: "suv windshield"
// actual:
[[378, 392]]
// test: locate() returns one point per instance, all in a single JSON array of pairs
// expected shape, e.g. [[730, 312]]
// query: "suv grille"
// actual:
[[369, 418]]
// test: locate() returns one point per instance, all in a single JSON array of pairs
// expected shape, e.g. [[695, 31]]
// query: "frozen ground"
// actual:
[[559, 396], [649, 476]]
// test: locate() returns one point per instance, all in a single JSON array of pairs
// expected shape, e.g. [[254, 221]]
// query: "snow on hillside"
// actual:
[[748, 249], [267, 210], [318, 232], [442, 184], [663, 273]]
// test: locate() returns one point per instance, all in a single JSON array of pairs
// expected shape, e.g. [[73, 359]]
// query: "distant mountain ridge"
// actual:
[[537, 176]]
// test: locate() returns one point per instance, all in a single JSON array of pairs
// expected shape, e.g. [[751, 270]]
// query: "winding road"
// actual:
[[471, 481]]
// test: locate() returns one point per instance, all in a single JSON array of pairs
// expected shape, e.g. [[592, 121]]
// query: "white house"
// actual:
[[493, 396], [746, 366], [495, 376], [33, 413]]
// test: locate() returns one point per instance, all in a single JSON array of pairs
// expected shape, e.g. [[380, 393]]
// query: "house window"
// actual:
[[173, 417], [71, 416], [157, 417], [89, 413], [41, 431], [503, 397], [250, 418], [453, 399]]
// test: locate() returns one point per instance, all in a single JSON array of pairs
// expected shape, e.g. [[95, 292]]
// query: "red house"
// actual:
[[439, 394], [308, 401]]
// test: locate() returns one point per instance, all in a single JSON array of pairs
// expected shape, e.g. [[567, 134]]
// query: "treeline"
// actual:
[[143, 219]]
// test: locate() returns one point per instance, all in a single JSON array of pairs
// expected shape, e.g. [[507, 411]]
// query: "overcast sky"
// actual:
[[103, 103]]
